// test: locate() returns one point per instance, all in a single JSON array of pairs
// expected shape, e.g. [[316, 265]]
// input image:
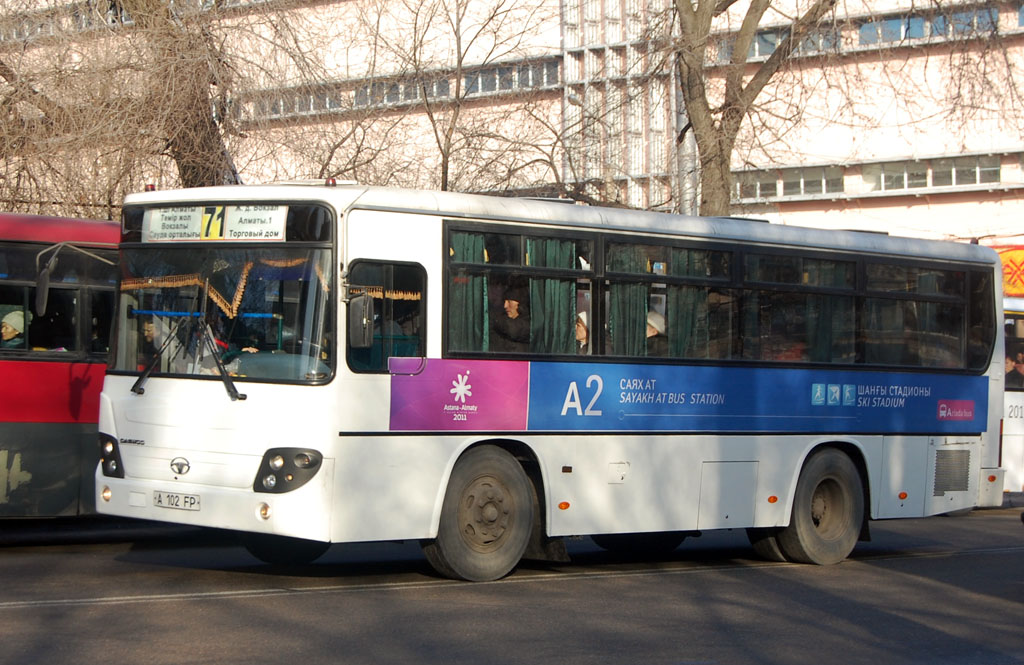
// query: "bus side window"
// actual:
[[101, 313], [54, 330], [399, 308]]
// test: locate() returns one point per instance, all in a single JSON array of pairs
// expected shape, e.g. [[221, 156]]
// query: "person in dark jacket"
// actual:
[[511, 328]]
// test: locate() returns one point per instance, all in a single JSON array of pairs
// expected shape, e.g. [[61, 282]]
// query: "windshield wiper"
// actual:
[[155, 360], [206, 338], [211, 346], [206, 342]]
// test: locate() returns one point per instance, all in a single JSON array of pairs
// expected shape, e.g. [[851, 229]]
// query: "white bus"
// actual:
[[1013, 406], [325, 364]]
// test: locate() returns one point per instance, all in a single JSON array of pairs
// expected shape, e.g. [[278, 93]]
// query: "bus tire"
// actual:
[[766, 544], [283, 550], [486, 518], [654, 543], [828, 510]]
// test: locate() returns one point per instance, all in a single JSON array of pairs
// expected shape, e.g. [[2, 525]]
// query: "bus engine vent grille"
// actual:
[[952, 471]]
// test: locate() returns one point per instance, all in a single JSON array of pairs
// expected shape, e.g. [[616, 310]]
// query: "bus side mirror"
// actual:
[[360, 322], [42, 290]]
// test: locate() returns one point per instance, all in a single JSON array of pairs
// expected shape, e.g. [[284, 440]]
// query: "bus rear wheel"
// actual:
[[766, 544], [828, 510], [486, 518]]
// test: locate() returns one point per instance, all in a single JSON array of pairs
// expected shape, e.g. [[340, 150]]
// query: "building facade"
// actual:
[[890, 115]]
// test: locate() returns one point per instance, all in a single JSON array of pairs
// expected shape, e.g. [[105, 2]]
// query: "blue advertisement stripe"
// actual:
[[592, 396]]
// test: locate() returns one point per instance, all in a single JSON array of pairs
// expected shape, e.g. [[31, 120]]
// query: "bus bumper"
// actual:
[[302, 513], [990, 492]]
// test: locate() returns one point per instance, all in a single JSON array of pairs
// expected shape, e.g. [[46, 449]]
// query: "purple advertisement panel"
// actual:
[[458, 394]]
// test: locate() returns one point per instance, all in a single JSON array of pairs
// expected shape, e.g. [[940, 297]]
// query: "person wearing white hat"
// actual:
[[582, 334], [657, 342], [12, 331]]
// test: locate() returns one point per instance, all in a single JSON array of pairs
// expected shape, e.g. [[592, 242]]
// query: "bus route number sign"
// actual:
[[175, 500]]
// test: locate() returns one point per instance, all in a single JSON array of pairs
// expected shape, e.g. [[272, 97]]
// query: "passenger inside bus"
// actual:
[[12, 331], [657, 342], [582, 335], [511, 326], [1014, 372]]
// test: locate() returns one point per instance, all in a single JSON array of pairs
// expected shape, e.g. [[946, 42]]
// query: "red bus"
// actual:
[[52, 359]]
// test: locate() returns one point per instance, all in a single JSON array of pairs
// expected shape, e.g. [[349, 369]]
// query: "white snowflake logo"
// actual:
[[461, 388]]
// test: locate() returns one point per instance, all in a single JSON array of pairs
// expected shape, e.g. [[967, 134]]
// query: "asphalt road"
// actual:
[[943, 590]]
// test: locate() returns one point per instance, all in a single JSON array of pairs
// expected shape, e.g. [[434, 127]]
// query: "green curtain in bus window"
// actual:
[[627, 303], [687, 322], [687, 309], [940, 326], [830, 328], [552, 301], [886, 341], [467, 306], [750, 323]]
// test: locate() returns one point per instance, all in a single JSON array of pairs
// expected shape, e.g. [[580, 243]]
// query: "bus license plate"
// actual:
[[175, 500]]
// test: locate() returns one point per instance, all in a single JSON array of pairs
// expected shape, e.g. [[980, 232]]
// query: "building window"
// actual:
[[890, 30], [757, 185], [894, 176], [959, 172], [978, 21], [812, 181], [766, 42], [820, 40]]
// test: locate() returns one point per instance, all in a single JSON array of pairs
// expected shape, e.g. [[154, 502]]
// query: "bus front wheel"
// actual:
[[486, 518], [828, 509]]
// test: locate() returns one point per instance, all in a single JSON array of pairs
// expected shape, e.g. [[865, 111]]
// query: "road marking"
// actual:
[[527, 578]]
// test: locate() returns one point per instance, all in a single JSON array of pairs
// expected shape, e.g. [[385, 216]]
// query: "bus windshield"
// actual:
[[258, 313]]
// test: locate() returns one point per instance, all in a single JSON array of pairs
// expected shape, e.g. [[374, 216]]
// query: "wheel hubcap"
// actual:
[[485, 513], [827, 505]]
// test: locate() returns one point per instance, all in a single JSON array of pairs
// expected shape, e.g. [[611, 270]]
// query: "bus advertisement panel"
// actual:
[[551, 396], [316, 365]]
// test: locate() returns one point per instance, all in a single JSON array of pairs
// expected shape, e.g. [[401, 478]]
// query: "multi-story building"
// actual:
[[891, 115]]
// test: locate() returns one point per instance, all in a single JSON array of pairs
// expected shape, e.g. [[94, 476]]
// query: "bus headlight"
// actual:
[[110, 457], [285, 469]]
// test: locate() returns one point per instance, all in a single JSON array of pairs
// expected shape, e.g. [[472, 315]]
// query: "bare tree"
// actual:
[[186, 74], [470, 70], [716, 127]]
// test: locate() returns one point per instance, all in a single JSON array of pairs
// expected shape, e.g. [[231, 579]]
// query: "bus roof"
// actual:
[[481, 207], [44, 229]]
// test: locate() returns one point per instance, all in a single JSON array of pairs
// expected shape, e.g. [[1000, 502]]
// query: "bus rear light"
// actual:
[[285, 469], [902, 496], [110, 457], [773, 499], [992, 478], [563, 505]]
